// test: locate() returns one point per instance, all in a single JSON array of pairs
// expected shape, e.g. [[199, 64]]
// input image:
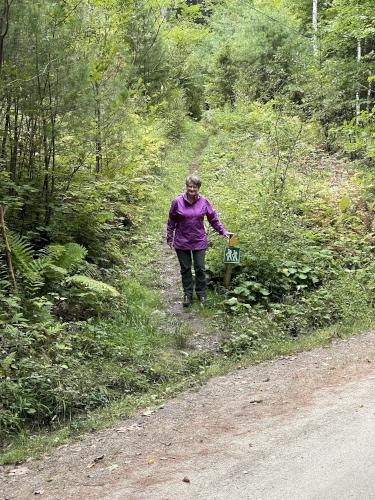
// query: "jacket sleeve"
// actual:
[[172, 221], [214, 220]]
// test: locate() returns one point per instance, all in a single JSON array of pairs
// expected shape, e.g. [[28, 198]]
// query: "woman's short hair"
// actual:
[[193, 179]]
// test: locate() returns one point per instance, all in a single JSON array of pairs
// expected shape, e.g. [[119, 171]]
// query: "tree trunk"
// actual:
[[8, 253], [47, 157], [369, 91], [14, 144], [357, 100], [5, 136], [4, 26], [98, 131], [315, 27]]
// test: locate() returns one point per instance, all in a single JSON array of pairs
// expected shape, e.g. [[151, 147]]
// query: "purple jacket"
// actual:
[[185, 226]]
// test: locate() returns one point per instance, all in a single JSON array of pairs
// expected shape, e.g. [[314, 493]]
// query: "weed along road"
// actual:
[[297, 427]]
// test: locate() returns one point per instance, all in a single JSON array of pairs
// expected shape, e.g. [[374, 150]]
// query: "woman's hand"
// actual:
[[170, 244]]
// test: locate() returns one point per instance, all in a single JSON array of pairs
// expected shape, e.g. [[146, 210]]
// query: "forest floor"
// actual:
[[298, 426]]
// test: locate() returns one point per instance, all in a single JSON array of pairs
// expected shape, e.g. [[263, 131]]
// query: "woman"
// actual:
[[186, 233]]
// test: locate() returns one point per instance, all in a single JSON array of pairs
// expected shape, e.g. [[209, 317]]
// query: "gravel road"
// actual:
[[298, 427]]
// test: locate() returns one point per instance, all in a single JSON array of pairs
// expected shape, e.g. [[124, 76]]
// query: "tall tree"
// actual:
[[315, 27]]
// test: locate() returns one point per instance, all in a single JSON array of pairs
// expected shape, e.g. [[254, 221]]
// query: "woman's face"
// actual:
[[192, 189]]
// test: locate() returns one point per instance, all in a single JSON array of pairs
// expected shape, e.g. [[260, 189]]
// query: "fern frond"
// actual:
[[40, 264], [33, 282], [93, 286], [89, 269], [56, 271], [22, 251], [70, 256], [3, 270], [55, 251]]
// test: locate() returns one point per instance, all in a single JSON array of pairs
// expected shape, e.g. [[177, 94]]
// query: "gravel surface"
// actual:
[[300, 426]]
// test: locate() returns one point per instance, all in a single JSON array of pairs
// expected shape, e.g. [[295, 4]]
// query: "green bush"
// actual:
[[305, 242]]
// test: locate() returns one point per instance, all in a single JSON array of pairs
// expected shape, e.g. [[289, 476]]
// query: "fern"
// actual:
[[70, 257], [56, 271], [55, 251], [89, 269], [4, 276], [22, 251], [90, 285], [40, 264]]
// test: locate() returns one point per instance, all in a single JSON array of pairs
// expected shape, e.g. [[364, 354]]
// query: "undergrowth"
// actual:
[[300, 284], [55, 370], [303, 221]]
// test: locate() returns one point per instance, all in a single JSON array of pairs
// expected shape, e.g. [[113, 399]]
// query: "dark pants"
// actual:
[[184, 257]]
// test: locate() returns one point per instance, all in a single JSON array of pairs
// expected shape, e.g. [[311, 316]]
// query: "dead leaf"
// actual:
[[151, 461], [20, 471], [186, 480], [148, 412], [38, 492]]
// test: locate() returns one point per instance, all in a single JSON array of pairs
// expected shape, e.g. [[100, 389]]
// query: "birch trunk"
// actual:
[[315, 27], [357, 101], [369, 91]]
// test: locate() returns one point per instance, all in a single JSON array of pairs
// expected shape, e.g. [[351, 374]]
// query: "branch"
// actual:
[[68, 14], [35, 76]]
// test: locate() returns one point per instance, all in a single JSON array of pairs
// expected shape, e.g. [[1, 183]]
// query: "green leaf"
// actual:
[[6, 362], [344, 203], [93, 286], [231, 301]]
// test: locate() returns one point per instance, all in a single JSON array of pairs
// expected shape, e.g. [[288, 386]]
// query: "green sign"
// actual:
[[232, 255]]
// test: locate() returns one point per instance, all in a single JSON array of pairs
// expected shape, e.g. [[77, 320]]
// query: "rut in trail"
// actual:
[[195, 330]]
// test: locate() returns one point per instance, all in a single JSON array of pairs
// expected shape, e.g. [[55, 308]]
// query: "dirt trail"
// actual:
[[201, 333], [240, 436]]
